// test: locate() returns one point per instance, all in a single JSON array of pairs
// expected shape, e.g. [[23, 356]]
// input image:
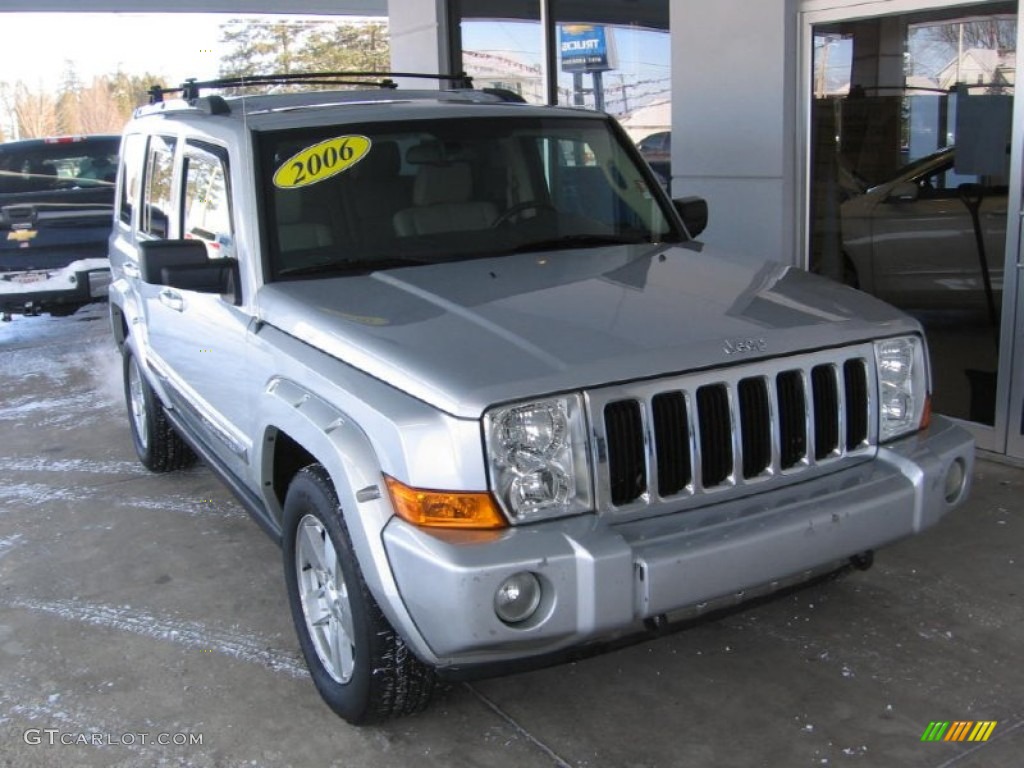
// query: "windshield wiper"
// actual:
[[349, 267], [581, 241]]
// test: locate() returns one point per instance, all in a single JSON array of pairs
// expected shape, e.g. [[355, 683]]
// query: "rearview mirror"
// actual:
[[694, 211], [185, 264]]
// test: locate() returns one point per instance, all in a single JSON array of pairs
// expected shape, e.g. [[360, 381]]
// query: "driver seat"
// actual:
[[441, 202]]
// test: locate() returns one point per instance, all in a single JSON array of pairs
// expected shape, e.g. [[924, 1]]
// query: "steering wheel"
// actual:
[[518, 208]]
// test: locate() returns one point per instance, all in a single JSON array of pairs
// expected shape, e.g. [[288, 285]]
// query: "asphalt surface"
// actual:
[[137, 609]]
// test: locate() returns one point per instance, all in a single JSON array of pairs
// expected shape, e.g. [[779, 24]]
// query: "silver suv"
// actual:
[[463, 359]]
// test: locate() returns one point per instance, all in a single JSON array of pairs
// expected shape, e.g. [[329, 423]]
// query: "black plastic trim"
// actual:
[[245, 497]]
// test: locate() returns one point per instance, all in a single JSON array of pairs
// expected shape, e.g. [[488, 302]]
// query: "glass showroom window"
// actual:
[[502, 46], [610, 56], [910, 131], [615, 57]]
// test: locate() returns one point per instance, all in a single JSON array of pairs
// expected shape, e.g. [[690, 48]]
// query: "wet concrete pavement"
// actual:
[[137, 608]]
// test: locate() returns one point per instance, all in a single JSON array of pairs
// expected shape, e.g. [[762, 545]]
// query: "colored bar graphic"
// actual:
[[959, 730], [982, 731]]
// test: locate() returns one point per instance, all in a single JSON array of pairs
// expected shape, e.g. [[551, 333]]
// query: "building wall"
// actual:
[[734, 120], [419, 38]]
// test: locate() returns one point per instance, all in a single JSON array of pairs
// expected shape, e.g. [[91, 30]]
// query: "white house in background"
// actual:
[[491, 70], [977, 66], [648, 119]]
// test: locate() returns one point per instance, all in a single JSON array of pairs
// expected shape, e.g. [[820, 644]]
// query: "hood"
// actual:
[[465, 335]]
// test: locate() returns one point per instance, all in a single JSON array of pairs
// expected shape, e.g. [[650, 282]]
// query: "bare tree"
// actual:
[[98, 108], [35, 111], [7, 119], [69, 96], [997, 33]]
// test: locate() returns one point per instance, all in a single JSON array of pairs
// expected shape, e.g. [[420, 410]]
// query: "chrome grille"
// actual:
[[676, 441]]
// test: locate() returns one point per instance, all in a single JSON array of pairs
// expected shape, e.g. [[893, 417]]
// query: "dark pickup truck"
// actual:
[[56, 203]]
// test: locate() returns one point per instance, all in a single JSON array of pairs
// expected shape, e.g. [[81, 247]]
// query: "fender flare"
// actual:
[[345, 451]]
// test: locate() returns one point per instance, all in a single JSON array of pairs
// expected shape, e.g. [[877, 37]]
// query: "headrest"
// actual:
[[426, 153], [436, 184], [384, 161]]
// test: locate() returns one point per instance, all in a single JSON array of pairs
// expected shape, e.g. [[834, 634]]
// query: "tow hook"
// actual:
[[863, 561]]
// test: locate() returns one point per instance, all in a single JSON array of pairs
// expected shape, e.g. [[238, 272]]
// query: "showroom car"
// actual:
[[913, 240]]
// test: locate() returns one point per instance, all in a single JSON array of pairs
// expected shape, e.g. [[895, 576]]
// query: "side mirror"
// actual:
[[185, 264], [904, 192], [694, 211]]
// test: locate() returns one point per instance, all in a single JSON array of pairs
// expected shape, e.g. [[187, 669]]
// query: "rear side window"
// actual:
[[58, 164], [131, 175], [207, 210], [158, 200]]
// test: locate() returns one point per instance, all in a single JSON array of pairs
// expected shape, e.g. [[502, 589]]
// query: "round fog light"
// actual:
[[517, 598], [955, 477]]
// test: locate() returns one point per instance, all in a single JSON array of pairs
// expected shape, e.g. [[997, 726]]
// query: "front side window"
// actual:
[[206, 210], [360, 198]]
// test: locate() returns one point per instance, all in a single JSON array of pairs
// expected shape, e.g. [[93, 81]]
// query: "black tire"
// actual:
[[383, 678], [159, 447]]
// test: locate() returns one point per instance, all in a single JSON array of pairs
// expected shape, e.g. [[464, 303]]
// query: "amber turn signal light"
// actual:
[[444, 509], [926, 412]]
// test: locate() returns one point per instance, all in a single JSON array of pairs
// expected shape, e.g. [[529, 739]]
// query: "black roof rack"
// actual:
[[190, 89]]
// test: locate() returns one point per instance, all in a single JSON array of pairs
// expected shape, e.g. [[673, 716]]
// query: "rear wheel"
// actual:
[[361, 667], [158, 446]]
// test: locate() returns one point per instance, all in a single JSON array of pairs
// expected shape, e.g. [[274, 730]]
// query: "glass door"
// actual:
[[911, 122]]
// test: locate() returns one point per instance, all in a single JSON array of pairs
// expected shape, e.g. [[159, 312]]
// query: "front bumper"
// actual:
[[600, 580], [79, 283]]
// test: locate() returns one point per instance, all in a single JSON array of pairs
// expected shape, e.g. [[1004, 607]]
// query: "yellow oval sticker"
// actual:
[[321, 161]]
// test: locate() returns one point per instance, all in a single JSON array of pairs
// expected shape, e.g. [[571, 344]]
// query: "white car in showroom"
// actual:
[[912, 240]]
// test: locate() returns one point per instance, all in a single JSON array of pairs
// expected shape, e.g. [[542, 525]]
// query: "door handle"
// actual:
[[172, 300], [130, 269]]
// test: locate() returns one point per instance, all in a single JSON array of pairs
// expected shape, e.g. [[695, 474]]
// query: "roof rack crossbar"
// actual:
[[190, 89]]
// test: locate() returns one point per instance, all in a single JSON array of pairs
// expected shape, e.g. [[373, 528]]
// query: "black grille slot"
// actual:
[[755, 426], [855, 379], [789, 386], [715, 434], [672, 439], [626, 468], [697, 438], [826, 410]]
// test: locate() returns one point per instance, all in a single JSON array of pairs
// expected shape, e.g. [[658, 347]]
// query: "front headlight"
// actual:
[[902, 386], [537, 458]]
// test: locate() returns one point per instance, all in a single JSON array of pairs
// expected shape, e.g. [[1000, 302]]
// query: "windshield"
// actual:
[[358, 198]]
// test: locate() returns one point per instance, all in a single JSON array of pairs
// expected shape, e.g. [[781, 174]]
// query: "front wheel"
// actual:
[[359, 664], [159, 447]]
